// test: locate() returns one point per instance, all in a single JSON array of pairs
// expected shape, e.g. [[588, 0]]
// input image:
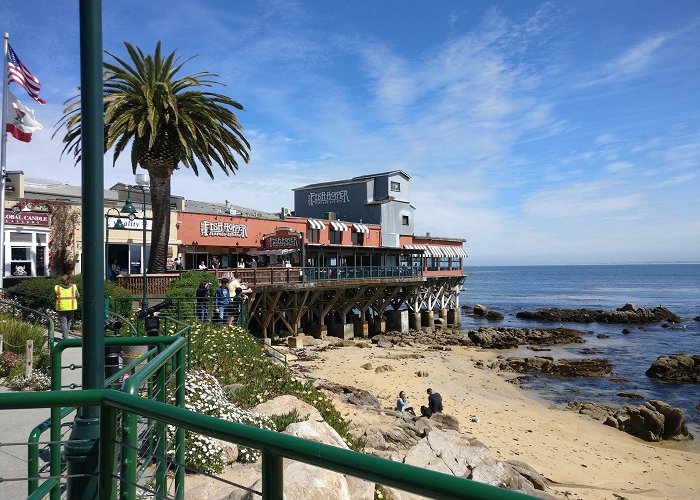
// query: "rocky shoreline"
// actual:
[[627, 314]]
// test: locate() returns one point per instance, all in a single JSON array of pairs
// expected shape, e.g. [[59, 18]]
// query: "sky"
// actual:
[[540, 132]]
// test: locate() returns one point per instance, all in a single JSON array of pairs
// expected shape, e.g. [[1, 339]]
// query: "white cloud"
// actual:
[[619, 166]]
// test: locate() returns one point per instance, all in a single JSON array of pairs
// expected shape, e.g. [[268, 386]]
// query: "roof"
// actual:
[[355, 180], [205, 207]]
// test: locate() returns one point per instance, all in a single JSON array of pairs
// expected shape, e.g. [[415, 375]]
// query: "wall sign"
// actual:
[[130, 225], [328, 197], [26, 218], [227, 229], [282, 239]]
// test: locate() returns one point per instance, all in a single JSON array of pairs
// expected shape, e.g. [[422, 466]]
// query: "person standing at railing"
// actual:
[[222, 299], [66, 303], [202, 296]]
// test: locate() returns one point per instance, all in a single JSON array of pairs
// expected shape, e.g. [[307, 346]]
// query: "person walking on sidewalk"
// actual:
[[66, 303]]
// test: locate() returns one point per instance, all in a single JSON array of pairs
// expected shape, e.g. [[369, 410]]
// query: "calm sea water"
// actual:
[[674, 286]]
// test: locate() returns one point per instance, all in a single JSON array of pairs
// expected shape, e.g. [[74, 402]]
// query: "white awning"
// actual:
[[316, 224], [439, 250], [338, 226], [361, 228]]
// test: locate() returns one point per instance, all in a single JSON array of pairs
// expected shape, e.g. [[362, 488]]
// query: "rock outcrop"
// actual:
[[507, 338], [625, 314], [652, 421], [594, 367], [676, 368], [443, 336]]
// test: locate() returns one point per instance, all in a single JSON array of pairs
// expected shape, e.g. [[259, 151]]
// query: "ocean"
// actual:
[[510, 289]]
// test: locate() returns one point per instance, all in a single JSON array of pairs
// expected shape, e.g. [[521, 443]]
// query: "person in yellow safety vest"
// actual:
[[66, 303]]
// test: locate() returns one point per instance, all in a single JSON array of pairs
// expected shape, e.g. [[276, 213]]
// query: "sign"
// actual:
[[226, 229], [282, 239], [328, 197], [130, 225], [26, 218]]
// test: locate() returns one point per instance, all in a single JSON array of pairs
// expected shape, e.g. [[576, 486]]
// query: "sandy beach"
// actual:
[[577, 454]]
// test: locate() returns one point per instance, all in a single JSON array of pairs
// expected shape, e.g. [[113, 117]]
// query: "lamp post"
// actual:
[[117, 225], [130, 209]]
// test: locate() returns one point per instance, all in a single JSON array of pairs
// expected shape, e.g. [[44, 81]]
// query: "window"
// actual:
[[312, 235], [358, 238], [336, 237], [395, 186], [404, 220]]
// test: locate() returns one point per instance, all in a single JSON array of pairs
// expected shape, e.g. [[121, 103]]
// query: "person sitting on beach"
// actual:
[[434, 404], [402, 404]]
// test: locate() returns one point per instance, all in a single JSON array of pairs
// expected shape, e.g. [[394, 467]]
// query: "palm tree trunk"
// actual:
[[160, 229]]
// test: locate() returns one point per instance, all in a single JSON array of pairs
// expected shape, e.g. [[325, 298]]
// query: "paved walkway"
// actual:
[[15, 426]]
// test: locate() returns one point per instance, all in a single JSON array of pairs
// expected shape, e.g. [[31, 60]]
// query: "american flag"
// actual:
[[19, 73]]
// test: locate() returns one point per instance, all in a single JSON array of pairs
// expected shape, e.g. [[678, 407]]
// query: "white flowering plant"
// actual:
[[36, 381], [204, 395]]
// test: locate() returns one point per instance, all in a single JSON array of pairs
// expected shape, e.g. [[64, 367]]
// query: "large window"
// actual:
[[358, 238], [395, 186], [456, 264], [336, 237], [404, 220], [27, 253], [313, 235]]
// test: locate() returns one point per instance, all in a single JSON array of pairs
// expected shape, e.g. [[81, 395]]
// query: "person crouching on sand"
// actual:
[[402, 404], [434, 404]]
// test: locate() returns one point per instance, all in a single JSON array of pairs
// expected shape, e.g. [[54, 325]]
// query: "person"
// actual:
[[287, 263], [233, 284], [402, 404], [66, 303], [178, 263], [116, 270], [241, 264], [254, 263], [434, 404], [202, 266], [215, 264], [222, 299], [236, 307], [202, 294]]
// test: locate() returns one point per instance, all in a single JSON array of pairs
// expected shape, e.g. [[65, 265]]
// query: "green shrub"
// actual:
[[233, 356], [38, 293], [121, 299], [283, 421], [8, 362], [183, 290], [15, 334], [37, 381]]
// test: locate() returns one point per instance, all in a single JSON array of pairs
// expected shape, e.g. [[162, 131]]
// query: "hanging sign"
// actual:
[[129, 225], [282, 239]]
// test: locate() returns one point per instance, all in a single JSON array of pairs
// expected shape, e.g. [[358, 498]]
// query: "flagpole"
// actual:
[[3, 157]]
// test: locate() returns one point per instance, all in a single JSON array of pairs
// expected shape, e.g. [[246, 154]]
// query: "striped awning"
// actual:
[[361, 228], [316, 224], [439, 250], [338, 226]]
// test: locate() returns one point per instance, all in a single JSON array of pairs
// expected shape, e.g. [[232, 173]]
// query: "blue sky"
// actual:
[[541, 132]]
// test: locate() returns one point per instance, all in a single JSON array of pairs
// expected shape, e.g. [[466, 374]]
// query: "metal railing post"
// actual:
[[272, 476], [180, 432], [108, 435]]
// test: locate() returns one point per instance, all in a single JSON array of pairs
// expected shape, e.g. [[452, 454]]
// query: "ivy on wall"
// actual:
[[63, 220]]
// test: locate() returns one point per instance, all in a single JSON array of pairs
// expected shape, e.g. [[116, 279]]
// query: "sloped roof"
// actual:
[[354, 180]]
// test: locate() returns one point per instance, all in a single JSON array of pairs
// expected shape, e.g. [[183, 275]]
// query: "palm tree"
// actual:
[[168, 121]]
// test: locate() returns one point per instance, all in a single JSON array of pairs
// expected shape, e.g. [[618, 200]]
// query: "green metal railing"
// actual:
[[342, 273], [274, 447]]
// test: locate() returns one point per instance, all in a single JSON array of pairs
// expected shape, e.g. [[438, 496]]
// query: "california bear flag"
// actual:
[[20, 119]]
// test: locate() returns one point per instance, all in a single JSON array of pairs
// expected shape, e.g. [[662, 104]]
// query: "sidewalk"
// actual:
[[15, 426]]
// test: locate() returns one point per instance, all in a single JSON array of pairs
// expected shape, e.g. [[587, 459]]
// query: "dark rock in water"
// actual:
[[596, 367], [697, 407], [625, 314], [506, 338], [591, 350], [697, 318], [480, 310], [619, 380], [629, 395], [603, 336], [676, 368], [652, 421], [538, 349], [494, 316], [625, 331]]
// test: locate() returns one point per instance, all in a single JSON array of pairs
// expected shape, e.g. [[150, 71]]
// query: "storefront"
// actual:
[[124, 249], [26, 242]]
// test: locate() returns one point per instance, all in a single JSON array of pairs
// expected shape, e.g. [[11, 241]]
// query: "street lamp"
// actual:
[[117, 225], [130, 209]]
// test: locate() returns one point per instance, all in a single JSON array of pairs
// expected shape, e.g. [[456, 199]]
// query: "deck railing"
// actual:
[[159, 283]]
